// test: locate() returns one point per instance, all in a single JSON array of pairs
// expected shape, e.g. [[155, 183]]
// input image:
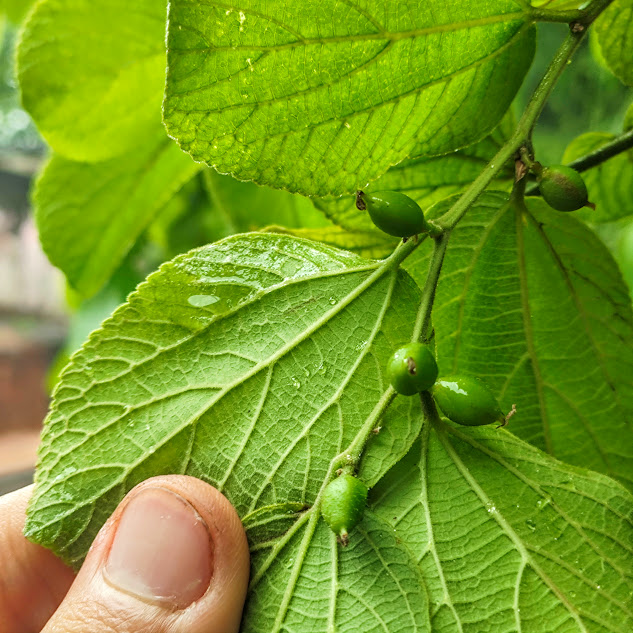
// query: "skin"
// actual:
[[38, 592]]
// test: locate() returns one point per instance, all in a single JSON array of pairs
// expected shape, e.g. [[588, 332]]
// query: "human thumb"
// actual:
[[173, 558]]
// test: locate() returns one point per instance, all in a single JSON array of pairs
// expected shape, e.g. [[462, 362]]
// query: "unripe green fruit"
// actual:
[[466, 400], [393, 212], [412, 369], [343, 504], [563, 188]]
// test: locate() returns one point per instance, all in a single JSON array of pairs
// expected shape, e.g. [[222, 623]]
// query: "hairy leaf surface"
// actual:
[[92, 74], [532, 302], [251, 364], [509, 539], [323, 97], [609, 184], [90, 214], [304, 580]]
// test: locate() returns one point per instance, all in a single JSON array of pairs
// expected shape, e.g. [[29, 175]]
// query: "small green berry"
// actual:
[[343, 504], [412, 369], [393, 212], [466, 400], [563, 188]]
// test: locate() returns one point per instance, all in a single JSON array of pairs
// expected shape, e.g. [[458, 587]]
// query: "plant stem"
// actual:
[[521, 135], [429, 410], [349, 459], [594, 10], [423, 320], [551, 15]]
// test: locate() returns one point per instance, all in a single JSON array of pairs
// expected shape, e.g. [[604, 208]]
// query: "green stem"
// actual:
[[521, 135], [594, 10], [618, 145], [423, 320], [551, 15], [349, 459]]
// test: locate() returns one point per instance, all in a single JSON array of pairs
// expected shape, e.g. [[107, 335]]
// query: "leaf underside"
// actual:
[[251, 364], [507, 538], [322, 97], [533, 303]]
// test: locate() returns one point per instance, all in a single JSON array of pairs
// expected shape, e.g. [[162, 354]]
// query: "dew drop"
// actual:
[[347, 125], [200, 301], [332, 301], [491, 508], [295, 383], [530, 524]]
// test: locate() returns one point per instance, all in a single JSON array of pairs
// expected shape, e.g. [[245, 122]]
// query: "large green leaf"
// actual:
[[615, 34], [321, 97], [508, 539], [92, 74], [253, 364], [90, 214], [532, 302], [250, 363], [610, 184], [425, 179]]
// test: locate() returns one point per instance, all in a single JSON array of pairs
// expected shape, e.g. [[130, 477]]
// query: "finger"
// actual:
[[172, 558], [33, 581]]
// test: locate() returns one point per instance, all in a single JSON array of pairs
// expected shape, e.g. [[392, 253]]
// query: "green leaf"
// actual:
[[425, 179], [92, 74], [90, 214], [509, 539], [615, 34], [323, 97], [248, 207], [373, 585], [15, 10], [609, 184], [287, 339], [532, 302], [371, 244]]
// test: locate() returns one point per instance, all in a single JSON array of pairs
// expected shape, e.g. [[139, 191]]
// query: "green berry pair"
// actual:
[[463, 399]]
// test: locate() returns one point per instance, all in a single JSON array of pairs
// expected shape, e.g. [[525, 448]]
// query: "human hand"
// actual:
[[173, 558]]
